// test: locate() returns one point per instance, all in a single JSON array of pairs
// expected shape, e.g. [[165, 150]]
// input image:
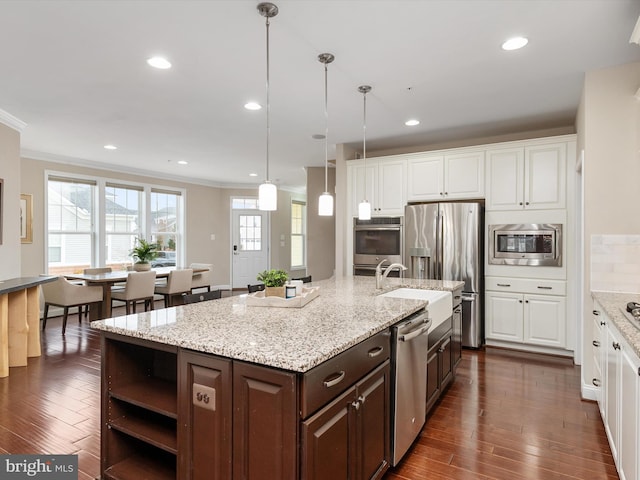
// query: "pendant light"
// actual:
[[364, 208], [325, 202], [267, 192]]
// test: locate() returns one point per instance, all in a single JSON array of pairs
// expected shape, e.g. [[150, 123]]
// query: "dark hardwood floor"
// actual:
[[507, 416]]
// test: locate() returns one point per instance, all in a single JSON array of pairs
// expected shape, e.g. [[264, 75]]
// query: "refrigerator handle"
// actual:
[[440, 245]]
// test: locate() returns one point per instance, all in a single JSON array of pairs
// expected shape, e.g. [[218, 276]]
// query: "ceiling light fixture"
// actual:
[[159, 62], [515, 43], [267, 192], [252, 106], [110, 147], [325, 202], [253, 174], [183, 162], [412, 123], [364, 208]]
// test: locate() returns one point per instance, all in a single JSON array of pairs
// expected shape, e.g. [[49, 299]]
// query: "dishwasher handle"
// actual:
[[415, 333]]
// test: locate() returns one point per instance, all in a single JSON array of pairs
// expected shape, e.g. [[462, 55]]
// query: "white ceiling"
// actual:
[[75, 72]]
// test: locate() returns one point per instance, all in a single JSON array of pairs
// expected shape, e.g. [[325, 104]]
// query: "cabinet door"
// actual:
[[464, 176], [544, 320], [504, 316], [505, 179], [265, 422], [326, 440], [433, 382], [445, 363], [391, 196], [425, 178], [611, 423], [205, 412], [545, 176], [373, 425], [629, 401]]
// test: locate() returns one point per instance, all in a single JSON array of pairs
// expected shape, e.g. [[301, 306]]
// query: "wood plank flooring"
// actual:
[[507, 416]]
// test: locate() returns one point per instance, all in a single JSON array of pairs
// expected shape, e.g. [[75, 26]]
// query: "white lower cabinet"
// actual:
[[619, 400], [524, 318]]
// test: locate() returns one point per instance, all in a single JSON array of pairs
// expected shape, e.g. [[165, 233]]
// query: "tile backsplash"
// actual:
[[615, 263]]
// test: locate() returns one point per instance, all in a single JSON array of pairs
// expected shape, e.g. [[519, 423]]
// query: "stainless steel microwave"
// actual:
[[535, 244]]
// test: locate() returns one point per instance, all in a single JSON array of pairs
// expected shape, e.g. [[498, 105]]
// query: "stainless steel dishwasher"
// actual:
[[409, 346]]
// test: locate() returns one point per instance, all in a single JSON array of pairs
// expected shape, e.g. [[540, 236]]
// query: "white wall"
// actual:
[[608, 127], [10, 201]]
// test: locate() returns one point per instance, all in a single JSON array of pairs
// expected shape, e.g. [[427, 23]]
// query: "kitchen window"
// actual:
[[298, 233], [95, 221]]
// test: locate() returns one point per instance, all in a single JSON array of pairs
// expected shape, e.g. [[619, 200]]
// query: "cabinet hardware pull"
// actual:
[[526, 301], [596, 312], [616, 346], [374, 352], [545, 288], [596, 343], [603, 323], [504, 284], [356, 404], [639, 371], [520, 301], [526, 203], [361, 399], [520, 203], [596, 382], [335, 381]]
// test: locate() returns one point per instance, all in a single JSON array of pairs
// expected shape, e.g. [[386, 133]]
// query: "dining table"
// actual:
[[109, 279]]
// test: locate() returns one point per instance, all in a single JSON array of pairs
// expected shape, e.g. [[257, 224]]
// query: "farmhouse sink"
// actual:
[[440, 303]]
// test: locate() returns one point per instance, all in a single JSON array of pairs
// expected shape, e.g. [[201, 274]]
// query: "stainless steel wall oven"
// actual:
[[536, 244], [374, 240]]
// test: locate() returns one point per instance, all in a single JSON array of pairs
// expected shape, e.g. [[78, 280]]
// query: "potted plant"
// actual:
[[274, 281], [143, 253]]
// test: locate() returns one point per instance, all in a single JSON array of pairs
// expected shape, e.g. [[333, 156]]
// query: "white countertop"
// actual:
[[347, 311], [612, 302]]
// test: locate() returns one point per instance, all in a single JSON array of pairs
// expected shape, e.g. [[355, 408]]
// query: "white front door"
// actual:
[[250, 251]]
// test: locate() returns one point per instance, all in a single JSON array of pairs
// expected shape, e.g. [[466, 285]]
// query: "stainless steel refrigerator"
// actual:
[[444, 241]]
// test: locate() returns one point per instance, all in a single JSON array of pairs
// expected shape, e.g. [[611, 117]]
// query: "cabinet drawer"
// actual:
[[326, 381], [526, 285]]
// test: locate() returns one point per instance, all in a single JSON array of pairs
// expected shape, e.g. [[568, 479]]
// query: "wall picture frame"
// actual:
[[26, 218]]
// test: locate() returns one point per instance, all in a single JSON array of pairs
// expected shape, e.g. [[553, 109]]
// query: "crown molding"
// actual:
[[10, 121]]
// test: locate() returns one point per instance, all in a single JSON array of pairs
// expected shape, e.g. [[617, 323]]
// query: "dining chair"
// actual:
[[93, 271], [306, 279], [201, 279], [63, 293], [140, 286], [255, 288], [179, 282], [201, 297]]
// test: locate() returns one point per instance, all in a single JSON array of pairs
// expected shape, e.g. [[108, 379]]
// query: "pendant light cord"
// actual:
[[326, 129], [268, 103]]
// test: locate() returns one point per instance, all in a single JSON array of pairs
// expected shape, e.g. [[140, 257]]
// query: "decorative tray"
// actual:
[[258, 299]]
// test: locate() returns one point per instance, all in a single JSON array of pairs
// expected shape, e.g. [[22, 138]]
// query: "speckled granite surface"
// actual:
[[346, 312], [612, 303]]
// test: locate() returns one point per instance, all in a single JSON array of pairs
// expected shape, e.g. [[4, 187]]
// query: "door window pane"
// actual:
[[250, 232]]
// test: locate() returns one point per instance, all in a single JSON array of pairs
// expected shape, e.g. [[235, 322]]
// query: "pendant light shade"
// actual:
[[325, 202], [267, 192], [364, 208]]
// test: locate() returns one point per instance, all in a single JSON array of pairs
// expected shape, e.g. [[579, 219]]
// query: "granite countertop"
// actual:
[[612, 303], [347, 311]]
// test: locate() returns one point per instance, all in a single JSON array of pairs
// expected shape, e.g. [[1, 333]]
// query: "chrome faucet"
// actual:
[[381, 276]]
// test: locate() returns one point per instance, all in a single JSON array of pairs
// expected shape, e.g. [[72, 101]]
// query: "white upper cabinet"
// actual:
[[446, 177], [528, 177], [383, 186]]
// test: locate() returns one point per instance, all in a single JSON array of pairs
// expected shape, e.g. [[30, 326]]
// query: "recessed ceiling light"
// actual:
[[110, 147], [318, 136], [253, 174], [159, 62], [515, 43], [252, 106], [412, 123], [182, 162]]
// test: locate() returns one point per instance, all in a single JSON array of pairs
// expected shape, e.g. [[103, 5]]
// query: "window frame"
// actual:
[[99, 233], [302, 235]]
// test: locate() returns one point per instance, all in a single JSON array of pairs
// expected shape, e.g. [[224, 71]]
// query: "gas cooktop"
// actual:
[[632, 313]]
